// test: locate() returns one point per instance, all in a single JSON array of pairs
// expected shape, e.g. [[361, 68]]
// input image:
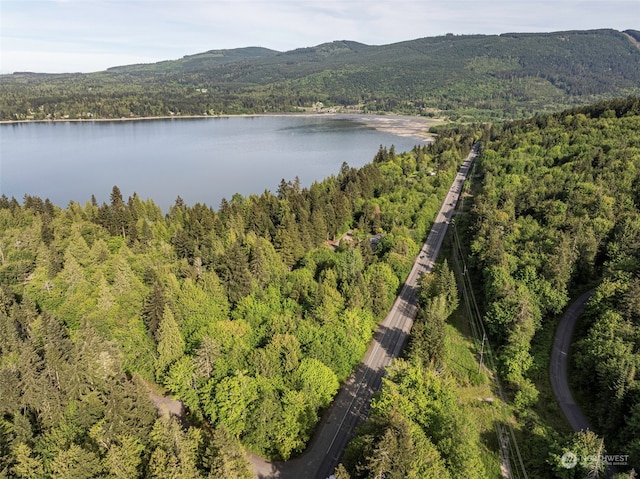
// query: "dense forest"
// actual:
[[512, 75], [558, 210], [252, 315], [555, 210]]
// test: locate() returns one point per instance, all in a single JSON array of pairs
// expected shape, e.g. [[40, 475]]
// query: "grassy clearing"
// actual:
[[475, 385], [474, 390], [543, 424], [546, 408]]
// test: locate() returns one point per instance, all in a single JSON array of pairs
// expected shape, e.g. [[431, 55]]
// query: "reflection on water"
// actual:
[[331, 125], [201, 160]]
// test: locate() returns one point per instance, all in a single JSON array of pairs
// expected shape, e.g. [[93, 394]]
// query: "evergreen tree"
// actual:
[[26, 466], [170, 343], [234, 272], [118, 213], [257, 264], [175, 452], [76, 463], [154, 307], [124, 458], [226, 458]]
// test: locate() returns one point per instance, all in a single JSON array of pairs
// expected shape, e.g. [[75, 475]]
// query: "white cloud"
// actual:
[[90, 32]]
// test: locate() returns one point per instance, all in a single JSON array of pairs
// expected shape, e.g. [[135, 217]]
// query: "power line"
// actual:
[[510, 455]]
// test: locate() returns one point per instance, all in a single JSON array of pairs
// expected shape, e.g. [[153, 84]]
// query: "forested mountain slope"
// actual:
[[246, 314], [480, 75]]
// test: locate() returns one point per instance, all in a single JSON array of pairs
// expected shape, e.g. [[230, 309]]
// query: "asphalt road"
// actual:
[[352, 402], [559, 361]]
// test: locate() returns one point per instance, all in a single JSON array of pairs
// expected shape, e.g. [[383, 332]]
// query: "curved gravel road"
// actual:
[[559, 362]]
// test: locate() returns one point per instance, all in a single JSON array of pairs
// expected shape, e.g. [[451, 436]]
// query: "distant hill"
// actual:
[[479, 76], [199, 62]]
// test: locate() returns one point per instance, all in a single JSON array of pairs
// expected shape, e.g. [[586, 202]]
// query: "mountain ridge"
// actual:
[[254, 52], [506, 75]]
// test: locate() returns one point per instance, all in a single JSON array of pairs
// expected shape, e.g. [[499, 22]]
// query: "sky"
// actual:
[[90, 35]]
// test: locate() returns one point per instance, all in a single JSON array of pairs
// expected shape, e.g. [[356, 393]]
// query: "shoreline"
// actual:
[[144, 118], [406, 126]]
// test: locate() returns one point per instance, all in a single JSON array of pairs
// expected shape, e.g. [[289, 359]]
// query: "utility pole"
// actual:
[[484, 338]]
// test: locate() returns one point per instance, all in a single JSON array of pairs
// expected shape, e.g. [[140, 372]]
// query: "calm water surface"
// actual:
[[201, 160]]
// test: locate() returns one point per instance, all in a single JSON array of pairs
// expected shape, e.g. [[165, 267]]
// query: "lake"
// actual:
[[202, 160]]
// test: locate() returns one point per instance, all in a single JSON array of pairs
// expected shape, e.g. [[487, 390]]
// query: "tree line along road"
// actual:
[[352, 401]]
